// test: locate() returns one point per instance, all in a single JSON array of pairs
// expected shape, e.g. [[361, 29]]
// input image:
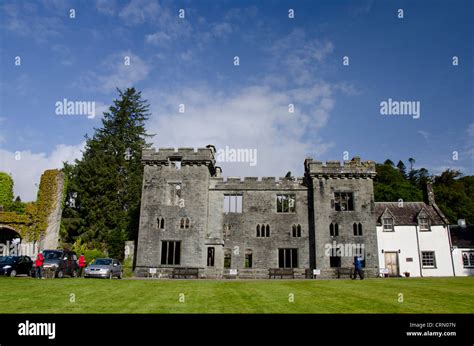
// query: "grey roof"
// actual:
[[408, 213]]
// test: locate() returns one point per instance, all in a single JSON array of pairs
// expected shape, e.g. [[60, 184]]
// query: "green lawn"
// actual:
[[428, 295]]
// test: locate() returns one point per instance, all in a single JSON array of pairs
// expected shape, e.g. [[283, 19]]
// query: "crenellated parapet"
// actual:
[[256, 183], [354, 168], [187, 156]]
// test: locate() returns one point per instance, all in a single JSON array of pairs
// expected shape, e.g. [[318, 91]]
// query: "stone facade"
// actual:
[[240, 227]]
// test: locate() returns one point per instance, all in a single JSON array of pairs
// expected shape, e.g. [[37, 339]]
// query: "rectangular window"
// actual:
[[428, 259], [288, 258], [335, 261], [227, 258], [388, 224], [232, 203], [248, 260], [468, 259], [424, 224], [343, 201], [170, 252], [286, 203], [210, 256], [174, 193]]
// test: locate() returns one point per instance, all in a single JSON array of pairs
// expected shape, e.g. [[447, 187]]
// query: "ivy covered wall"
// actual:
[[32, 224]]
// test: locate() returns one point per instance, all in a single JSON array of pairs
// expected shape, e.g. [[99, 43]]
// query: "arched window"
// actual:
[[181, 225], [294, 231], [267, 234], [187, 223], [298, 230], [258, 230], [162, 223], [354, 228], [359, 228]]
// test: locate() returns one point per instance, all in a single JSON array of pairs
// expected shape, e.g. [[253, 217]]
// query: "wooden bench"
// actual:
[[185, 273], [344, 271], [281, 272]]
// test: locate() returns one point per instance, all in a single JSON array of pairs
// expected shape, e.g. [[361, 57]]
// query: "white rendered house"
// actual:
[[413, 237], [462, 242]]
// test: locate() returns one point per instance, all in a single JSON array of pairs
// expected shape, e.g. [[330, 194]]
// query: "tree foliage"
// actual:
[[454, 194], [104, 190], [6, 189]]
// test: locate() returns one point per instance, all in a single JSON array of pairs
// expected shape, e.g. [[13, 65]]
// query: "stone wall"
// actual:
[[201, 197]]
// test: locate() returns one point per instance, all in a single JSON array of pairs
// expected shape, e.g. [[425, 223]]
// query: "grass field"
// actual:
[[427, 295]]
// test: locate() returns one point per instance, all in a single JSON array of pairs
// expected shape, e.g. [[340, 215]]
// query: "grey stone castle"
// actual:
[[191, 217]]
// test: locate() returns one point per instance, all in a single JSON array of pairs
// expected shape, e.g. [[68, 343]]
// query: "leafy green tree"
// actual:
[[412, 162], [454, 195], [402, 168], [104, 190], [389, 162], [390, 185], [6, 189]]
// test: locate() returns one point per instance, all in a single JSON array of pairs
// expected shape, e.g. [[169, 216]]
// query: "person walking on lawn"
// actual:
[[358, 268], [82, 265], [39, 265]]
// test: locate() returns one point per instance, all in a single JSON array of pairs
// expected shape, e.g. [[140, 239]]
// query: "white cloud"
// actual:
[[107, 7], [27, 171], [158, 38], [114, 73], [424, 134], [252, 118], [299, 56], [139, 11], [24, 20]]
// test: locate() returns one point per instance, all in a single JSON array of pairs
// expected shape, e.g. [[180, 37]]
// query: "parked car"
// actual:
[[59, 262], [15, 265], [104, 268]]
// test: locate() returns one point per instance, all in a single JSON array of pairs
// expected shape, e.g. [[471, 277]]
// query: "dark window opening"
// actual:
[[333, 229], [357, 228], [287, 258], [343, 201], [286, 203], [248, 259], [170, 252], [210, 256], [227, 258]]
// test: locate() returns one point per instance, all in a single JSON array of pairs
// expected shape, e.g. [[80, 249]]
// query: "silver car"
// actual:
[[104, 268]]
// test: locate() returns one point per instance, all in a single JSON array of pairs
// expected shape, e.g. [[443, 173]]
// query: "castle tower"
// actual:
[[174, 209], [342, 214]]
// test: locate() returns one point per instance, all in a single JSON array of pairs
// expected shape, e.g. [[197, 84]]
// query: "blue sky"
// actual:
[[190, 61]]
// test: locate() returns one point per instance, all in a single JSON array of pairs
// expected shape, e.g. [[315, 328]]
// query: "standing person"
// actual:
[[82, 264], [358, 268], [39, 265]]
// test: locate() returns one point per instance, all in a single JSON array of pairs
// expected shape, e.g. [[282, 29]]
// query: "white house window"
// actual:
[[424, 224], [468, 259], [232, 203], [387, 224], [428, 259]]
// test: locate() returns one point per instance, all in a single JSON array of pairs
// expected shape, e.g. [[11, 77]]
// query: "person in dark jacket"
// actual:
[[39, 265], [358, 268]]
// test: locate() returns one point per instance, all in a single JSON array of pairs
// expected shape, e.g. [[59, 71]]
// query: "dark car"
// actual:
[[15, 265], [59, 263]]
